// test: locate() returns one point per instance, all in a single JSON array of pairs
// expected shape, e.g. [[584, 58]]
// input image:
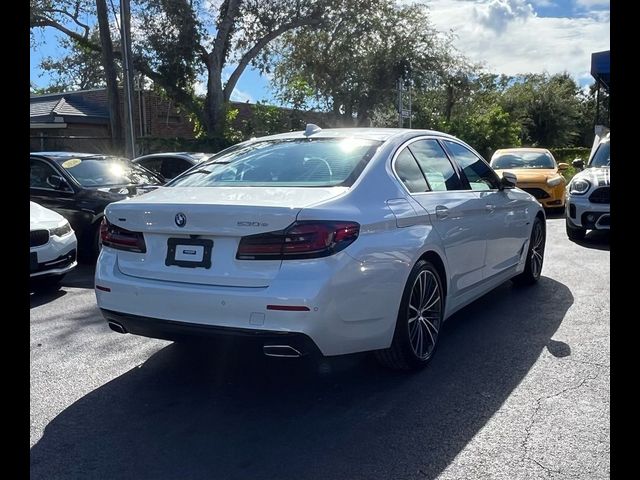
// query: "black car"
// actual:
[[171, 164], [80, 185]]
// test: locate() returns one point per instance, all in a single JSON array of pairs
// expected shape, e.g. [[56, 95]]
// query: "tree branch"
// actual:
[[223, 36], [180, 96], [259, 45], [43, 21]]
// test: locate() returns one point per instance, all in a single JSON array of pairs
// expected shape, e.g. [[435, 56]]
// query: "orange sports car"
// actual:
[[537, 173]]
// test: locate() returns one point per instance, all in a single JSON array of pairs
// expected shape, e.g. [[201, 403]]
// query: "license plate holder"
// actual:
[[189, 252]]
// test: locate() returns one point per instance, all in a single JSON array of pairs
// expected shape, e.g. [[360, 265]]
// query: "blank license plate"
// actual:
[[189, 252]]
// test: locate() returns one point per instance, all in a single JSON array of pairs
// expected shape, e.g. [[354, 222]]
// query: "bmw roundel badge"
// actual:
[[181, 219]]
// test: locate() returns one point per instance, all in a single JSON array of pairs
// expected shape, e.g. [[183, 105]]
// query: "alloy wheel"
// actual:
[[425, 314], [537, 249]]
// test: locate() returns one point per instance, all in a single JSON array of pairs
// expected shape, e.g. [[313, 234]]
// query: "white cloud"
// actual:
[[543, 3], [236, 96], [240, 96], [498, 14], [524, 43], [200, 87], [593, 3]]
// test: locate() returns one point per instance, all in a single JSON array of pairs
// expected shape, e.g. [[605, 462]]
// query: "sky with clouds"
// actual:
[[506, 36], [519, 36]]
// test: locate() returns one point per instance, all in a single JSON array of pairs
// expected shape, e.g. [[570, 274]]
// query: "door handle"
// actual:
[[489, 208], [442, 211]]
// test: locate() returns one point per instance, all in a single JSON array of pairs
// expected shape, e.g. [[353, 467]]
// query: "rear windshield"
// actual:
[[107, 171], [523, 160], [322, 162]]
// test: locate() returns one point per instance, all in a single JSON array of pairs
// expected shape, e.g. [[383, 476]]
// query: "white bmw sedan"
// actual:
[[323, 241]]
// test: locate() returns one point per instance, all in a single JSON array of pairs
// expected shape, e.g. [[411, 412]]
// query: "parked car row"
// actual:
[[323, 242], [80, 185]]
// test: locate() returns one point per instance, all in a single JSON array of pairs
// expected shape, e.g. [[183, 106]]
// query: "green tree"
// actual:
[[185, 37], [465, 103], [351, 65], [547, 107], [80, 69], [487, 129]]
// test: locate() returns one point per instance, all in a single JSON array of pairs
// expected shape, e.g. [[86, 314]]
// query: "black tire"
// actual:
[[419, 321], [46, 284], [535, 255], [573, 232]]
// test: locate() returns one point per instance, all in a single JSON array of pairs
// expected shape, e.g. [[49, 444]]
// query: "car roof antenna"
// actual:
[[311, 129]]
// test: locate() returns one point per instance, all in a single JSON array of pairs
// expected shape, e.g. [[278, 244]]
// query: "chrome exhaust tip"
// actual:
[[116, 327], [282, 351]]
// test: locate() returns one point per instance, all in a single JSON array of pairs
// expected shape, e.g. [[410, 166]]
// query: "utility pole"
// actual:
[[403, 112], [400, 121], [127, 61], [410, 104]]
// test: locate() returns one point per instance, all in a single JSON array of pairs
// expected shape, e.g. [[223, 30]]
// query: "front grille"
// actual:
[[39, 237], [600, 195], [537, 192]]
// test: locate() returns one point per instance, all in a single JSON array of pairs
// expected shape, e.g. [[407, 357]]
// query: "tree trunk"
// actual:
[[215, 103], [448, 109], [108, 63]]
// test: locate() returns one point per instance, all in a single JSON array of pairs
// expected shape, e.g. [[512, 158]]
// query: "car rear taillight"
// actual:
[[307, 239], [115, 237]]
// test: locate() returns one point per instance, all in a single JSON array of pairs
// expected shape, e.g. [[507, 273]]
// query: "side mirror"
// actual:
[[578, 164], [562, 167], [509, 180], [57, 182]]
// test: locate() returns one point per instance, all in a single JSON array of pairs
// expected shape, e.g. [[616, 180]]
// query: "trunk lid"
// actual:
[[221, 215]]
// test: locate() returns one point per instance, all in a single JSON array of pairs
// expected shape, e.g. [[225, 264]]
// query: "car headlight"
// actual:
[[552, 182], [579, 187], [61, 231]]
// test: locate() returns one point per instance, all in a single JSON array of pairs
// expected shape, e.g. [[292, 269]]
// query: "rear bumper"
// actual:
[[348, 308], [173, 330]]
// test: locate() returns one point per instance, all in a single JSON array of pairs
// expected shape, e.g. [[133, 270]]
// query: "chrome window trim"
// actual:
[[427, 137], [472, 150]]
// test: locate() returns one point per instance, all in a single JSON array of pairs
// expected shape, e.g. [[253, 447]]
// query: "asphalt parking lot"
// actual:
[[519, 389]]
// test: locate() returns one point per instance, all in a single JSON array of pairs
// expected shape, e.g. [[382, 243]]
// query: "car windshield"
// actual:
[[523, 160], [289, 162], [107, 171], [601, 157]]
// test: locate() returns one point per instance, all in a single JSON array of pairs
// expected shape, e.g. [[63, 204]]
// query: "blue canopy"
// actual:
[[601, 68]]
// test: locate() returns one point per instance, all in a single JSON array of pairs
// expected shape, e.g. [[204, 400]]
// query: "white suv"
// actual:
[[587, 205]]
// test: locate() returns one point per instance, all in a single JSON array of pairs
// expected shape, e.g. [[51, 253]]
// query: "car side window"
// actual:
[[154, 164], [409, 172], [39, 173], [435, 165], [479, 175], [172, 167]]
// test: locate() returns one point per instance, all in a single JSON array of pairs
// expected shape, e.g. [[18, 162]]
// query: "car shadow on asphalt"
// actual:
[[79, 277], [596, 239], [39, 297], [188, 412]]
